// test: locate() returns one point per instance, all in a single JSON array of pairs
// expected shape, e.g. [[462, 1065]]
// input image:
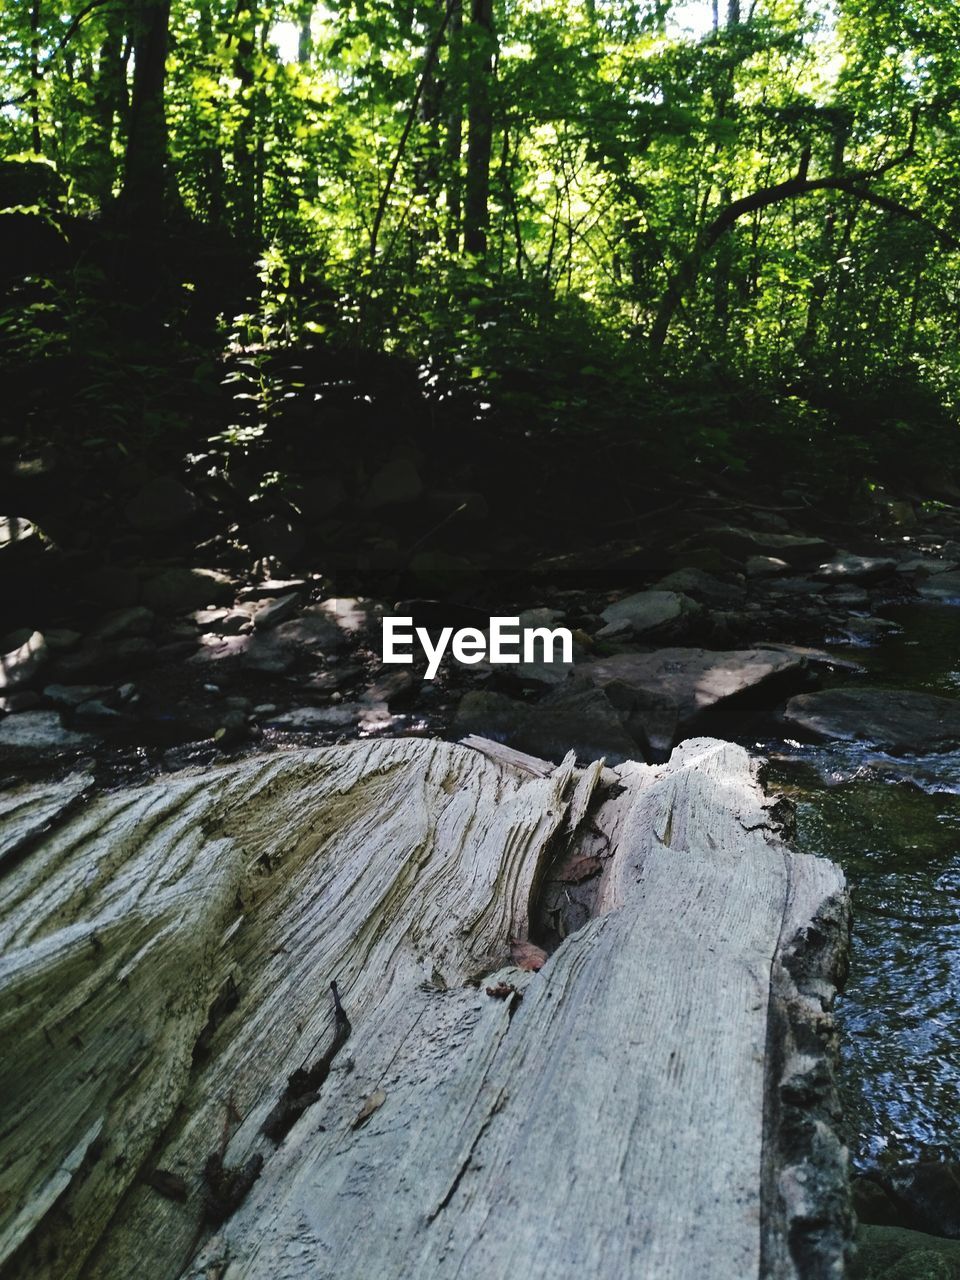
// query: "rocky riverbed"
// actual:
[[813, 642]]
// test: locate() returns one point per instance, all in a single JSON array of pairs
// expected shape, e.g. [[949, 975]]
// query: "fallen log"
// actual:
[[289, 1018]]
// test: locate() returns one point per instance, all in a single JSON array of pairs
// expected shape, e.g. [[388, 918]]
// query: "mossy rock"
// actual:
[[894, 1253]]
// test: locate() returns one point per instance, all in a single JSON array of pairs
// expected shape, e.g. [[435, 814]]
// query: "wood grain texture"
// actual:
[[167, 954]]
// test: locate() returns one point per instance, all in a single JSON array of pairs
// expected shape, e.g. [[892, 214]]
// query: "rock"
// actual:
[[60, 639], [397, 482], [650, 717], [704, 588], [97, 711], [20, 664], [20, 539], [710, 560], [163, 504], [898, 720], [37, 733], [351, 614], [643, 612], [390, 687], [272, 588], [793, 587], [72, 695], [575, 717], [310, 719], [316, 629], [265, 653], [274, 611], [847, 597], [539, 617], [894, 1253], [866, 631], [800, 551], [694, 680], [219, 620], [941, 586], [844, 566], [137, 620], [766, 566], [927, 565], [928, 1195], [186, 590]]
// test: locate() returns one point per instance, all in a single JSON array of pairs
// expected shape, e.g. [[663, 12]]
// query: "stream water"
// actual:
[[893, 823]]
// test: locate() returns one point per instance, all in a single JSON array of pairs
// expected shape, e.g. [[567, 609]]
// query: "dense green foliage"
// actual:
[[594, 211]]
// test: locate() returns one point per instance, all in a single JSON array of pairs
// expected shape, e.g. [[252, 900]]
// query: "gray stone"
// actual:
[[927, 565], [186, 590], [72, 695], [272, 588], [40, 733], [316, 629], [866, 631], [60, 639], [643, 612], [943, 586], [799, 550], [96, 710], [272, 612], [162, 504], [694, 679], [846, 566], [894, 719], [574, 717], [705, 588], [766, 566], [540, 617], [137, 620], [19, 537], [325, 719], [851, 597], [22, 662]]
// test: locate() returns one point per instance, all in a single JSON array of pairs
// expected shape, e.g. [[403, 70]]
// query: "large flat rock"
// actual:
[[694, 680], [897, 719]]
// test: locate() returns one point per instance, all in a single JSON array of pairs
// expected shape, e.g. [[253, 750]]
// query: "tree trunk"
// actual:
[[453, 142], [479, 129], [146, 175], [186, 1092], [35, 138]]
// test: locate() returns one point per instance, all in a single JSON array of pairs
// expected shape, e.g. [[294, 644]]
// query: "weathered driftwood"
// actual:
[[181, 1097]]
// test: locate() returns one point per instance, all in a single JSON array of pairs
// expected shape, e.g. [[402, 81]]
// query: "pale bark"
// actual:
[[164, 997]]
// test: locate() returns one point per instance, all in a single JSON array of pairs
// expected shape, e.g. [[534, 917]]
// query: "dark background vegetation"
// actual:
[[552, 263]]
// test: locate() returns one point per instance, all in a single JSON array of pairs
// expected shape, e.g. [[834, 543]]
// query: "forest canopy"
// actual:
[[532, 195]]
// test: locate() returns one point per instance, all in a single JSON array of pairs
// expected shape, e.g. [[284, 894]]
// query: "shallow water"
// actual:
[[894, 825]]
